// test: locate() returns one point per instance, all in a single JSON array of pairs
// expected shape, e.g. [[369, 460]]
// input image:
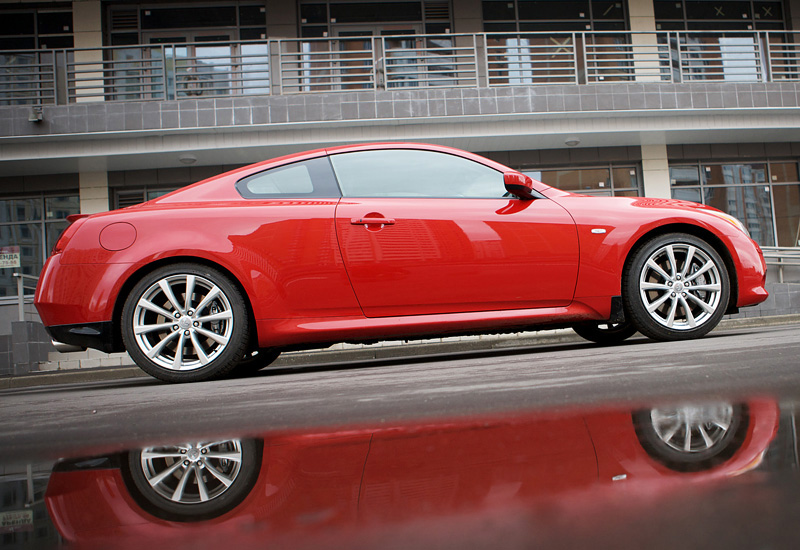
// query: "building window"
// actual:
[[123, 198], [30, 29], [707, 15], [150, 23], [619, 181], [765, 196], [553, 15], [31, 225], [319, 19]]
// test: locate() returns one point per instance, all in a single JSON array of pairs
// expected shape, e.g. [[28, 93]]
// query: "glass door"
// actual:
[[398, 49], [198, 64]]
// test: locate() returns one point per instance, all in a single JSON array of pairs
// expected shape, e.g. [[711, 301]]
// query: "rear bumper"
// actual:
[[98, 336]]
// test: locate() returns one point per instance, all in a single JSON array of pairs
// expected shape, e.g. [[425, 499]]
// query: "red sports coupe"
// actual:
[[391, 240]]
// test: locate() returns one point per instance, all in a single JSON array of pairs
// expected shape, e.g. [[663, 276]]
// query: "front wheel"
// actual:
[[675, 287], [692, 437], [185, 323]]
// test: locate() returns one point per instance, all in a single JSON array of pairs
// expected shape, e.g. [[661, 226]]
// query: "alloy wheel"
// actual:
[[680, 286], [183, 322]]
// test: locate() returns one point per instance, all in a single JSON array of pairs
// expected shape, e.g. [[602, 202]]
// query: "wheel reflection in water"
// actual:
[[194, 472]]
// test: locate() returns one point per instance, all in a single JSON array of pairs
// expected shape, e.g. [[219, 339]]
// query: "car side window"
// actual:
[[414, 173], [308, 178]]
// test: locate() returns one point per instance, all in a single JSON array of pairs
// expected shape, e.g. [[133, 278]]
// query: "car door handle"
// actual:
[[372, 221]]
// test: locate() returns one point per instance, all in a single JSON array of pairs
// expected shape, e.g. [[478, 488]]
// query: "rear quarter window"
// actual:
[[304, 179]]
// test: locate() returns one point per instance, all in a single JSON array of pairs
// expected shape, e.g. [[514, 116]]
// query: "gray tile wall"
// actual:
[[192, 114]]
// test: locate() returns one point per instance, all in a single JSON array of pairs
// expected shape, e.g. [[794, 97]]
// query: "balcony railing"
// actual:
[[159, 72]]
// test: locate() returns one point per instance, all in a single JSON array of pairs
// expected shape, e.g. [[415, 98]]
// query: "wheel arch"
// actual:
[[143, 271], [701, 233]]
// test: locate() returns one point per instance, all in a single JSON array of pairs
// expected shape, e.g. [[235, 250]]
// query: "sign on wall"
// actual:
[[9, 256]]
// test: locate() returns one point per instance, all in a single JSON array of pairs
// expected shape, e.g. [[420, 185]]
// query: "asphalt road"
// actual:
[[66, 420]]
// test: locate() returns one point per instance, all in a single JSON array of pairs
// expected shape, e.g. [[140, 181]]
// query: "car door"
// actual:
[[426, 232]]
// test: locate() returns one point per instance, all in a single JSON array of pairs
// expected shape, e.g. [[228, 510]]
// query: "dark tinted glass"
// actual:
[[55, 42], [771, 11], [252, 16], [186, 18], [553, 9], [718, 10], [314, 13], [498, 10], [55, 23], [608, 10], [373, 11], [668, 9], [16, 23]]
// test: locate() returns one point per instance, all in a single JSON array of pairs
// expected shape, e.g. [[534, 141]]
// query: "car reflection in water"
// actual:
[[436, 478]]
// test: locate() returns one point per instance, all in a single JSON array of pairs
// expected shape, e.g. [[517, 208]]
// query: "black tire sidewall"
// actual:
[[684, 462], [220, 365], [637, 310], [593, 332]]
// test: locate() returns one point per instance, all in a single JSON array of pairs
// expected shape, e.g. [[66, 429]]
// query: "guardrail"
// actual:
[[781, 257], [158, 72], [21, 286]]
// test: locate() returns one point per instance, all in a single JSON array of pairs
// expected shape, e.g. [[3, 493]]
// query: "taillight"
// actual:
[[68, 232]]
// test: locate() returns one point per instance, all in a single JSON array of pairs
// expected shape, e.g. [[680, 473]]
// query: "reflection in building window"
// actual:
[[765, 196], [620, 181], [33, 224]]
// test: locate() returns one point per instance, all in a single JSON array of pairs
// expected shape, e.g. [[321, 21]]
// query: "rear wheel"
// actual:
[[255, 361], [185, 323], [675, 287], [193, 481], [605, 333]]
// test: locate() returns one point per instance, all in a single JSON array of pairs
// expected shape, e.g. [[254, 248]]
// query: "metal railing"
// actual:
[[24, 282], [781, 257], [28, 77], [161, 72]]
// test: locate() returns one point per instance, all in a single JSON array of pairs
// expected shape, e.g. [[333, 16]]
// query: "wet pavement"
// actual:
[[645, 445]]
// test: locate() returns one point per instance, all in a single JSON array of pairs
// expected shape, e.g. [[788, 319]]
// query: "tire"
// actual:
[[255, 361], [675, 302], [193, 481], [170, 338], [605, 333], [691, 438]]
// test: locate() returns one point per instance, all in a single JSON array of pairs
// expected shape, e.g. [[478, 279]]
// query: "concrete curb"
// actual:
[[368, 353]]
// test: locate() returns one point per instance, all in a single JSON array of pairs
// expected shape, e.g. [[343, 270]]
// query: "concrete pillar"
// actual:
[[646, 64], [468, 18], [655, 171], [87, 22], [281, 19], [93, 192]]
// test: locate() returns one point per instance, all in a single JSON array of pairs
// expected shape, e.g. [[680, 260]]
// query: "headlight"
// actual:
[[733, 221]]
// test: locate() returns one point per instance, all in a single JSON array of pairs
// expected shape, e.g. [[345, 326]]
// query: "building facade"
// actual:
[[104, 104]]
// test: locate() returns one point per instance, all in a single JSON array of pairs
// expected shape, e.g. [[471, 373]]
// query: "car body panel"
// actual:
[[451, 255]]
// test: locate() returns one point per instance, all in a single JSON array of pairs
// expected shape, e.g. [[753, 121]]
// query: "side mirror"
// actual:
[[518, 185]]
